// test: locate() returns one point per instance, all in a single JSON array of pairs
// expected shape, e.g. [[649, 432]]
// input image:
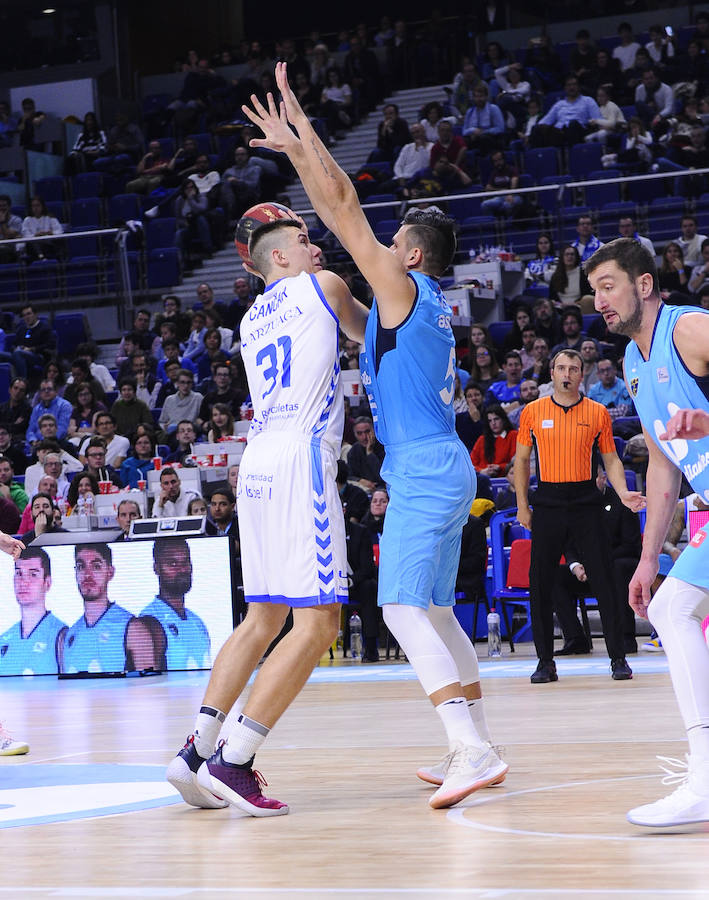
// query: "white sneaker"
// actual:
[[437, 772], [182, 775], [469, 769], [11, 747], [687, 805]]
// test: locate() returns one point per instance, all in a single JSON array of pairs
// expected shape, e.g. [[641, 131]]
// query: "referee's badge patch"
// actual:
[[547, 423], [634, 386]]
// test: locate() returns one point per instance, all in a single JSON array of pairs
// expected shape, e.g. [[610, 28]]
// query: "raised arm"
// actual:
[[335, 200]]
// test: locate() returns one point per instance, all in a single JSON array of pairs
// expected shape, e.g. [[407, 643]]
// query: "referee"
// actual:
[[568, 431]]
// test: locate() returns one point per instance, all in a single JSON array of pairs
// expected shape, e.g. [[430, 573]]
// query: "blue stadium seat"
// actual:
[[541, 163], [386, 229], [56, 208], [463, 208], [81, 277], [5, 378], [123, 207], [646, 191], [611, 212], [204, 142], [598, 195], [85, 245], [85, 213], [41, 280], [9, 282], [50, 189], [111, 276], [167, 146], [87, 184], [163, 268], [499, 331], [480, 228], [548, 200], [584, 158], [160, 233]]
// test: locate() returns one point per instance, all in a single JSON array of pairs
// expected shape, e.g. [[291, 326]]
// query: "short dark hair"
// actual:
[[434, 233], [8, 461], [186, 373], [171, 342], [102, 549], [80, 363], [105, 414], [258, 236], [630, 256], [38, 552], [225, 492], [172, 543], [129, 381], [185, 422], [571, 310], [513, 354], [168, 470], [574, 354]]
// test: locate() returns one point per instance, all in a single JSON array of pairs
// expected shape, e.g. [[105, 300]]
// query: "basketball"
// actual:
[[261, 214]]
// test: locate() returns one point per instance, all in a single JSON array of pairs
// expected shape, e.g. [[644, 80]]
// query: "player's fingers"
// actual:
[[249, 113], [258, 106], [271, 104]]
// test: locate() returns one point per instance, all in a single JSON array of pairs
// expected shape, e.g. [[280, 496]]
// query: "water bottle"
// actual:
[[494, 641], [355, 636], [81, 506]]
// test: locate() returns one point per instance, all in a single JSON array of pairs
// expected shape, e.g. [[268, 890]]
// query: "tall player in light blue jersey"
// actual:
[[667, 373], [408, 369], [30, 646], [293, 550]]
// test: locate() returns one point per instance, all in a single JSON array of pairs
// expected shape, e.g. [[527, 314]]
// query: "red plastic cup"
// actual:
[[104, 487], [157, 463], [142, 485]]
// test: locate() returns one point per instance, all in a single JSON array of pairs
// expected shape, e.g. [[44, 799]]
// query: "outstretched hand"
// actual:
[[293, 108], [634, 500], [691, 424], [274, 125]]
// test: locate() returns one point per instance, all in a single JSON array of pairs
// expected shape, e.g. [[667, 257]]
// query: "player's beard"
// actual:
[[179, 585], [630, 326]]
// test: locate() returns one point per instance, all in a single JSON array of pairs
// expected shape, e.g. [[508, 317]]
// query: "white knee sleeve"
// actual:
[[676, 612], [459, 644], [428, 654]]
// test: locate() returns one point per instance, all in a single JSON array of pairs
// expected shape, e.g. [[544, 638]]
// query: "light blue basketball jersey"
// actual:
[[34, 655], [188, 642], [409, 372], [99, 648], [660, 386]]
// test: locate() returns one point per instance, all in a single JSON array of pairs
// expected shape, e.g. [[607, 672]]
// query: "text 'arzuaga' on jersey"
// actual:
[[262, 311]]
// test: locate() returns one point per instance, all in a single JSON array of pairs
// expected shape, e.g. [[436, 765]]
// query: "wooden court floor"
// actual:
[[581, 753]]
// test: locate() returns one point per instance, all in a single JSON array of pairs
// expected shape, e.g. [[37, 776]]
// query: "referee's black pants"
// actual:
[[553, 527]]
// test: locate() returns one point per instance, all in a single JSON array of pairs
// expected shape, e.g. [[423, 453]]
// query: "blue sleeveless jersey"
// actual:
[[34, 655], [660, 386], [187, 639], [409, 372], [99, 648]]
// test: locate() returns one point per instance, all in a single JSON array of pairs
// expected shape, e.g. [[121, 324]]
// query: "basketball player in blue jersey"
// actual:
[[30, 646], [293, 550], [106, 638], [667, 373], [186, 635], [8, 745], [409, 356]]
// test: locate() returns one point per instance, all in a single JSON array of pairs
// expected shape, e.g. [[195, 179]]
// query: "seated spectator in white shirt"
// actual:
[[626, 50], [413, 156], [172, 501], [690, 241], [185, 404], [117, 446]]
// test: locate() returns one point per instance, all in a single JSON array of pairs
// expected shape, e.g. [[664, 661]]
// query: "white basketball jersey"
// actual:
[[289, 344]]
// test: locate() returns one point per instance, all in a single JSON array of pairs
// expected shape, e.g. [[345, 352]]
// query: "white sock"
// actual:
[[206, 730], [244, 741], [699, 742], [457, 722], [477, 714]]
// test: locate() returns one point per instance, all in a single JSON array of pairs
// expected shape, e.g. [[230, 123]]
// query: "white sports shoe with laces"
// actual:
[[9, 746], [437, 772], [469, 769], [687, 805]]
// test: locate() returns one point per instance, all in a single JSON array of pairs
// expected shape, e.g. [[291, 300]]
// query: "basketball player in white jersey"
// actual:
[[292, 529]]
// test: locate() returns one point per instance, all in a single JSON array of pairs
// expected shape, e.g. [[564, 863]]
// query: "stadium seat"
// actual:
[[204, 142], [584, 159], [50, 189], [123, 207], [9, 282], [549, 200], [160, 233], [86, 184], [81, 277], [541, 163], [85, 213], [163, 269], [598, 195], [41, 280]]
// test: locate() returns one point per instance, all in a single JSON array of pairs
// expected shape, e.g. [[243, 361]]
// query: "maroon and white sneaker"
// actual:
[[240, 787], [182, 775]]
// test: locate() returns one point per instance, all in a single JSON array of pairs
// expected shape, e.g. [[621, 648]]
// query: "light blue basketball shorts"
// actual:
[[432, 486]]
